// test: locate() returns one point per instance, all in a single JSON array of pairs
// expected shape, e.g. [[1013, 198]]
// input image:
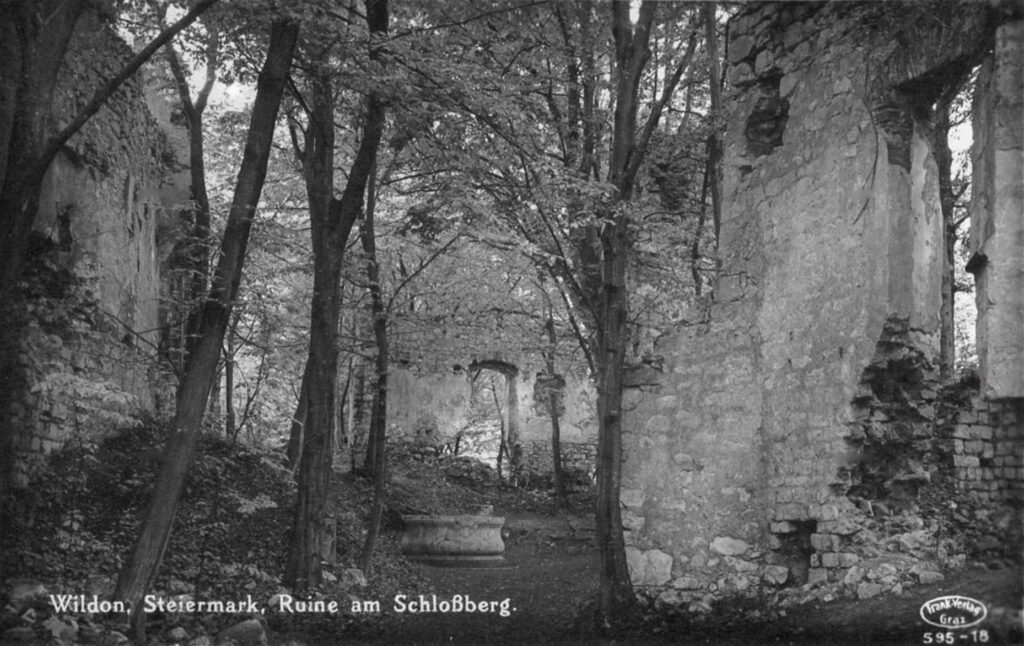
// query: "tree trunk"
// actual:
[[616, 601], [229, 387], [330, 230], [197, 256], [714, 145], [378, 413], [502, 437], [293, 452], [513, 443], [332, 221], [556, 431], [30, 57], [137, 577], [944, 163]]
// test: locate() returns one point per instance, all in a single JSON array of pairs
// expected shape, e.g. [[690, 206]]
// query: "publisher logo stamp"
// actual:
[[953, 612]]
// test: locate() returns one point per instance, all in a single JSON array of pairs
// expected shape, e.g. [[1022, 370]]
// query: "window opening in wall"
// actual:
[[481, 437], [795, 549], [959, 359]]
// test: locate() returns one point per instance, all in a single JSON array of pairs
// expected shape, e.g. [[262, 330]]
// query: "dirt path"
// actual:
[[553, 571], [550, 574]]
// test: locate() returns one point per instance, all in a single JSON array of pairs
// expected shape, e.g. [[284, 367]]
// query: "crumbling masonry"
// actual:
[[788, 433]]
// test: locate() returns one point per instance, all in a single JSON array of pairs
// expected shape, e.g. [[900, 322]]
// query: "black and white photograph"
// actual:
[[471, 322]]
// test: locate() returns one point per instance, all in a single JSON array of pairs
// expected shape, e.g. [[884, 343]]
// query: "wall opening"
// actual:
[[794, 548]]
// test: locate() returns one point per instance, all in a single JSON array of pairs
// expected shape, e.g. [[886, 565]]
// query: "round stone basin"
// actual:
[[454, 541]]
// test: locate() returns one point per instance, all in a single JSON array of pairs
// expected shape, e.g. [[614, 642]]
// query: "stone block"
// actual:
[[776, 575], [928, 577], [817, 575], [790, 511], [740, 48], [793, 35], [840, 527], [867, 590], [830, 559], [782, 527], [632, 497], [847, 559], [788, 84], [651, 567], [729, 546], [825, 542]]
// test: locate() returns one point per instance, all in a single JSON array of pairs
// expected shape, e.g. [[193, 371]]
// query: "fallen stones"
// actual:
[[245, 633], [867, 590], [22, 592]]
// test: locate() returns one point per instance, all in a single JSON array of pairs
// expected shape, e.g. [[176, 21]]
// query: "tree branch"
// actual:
[[100, 97]]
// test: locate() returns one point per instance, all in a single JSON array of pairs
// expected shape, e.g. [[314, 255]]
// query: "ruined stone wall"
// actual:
[[997, 228], [988, 451], [93, 282], [750, 441], [441, 404]]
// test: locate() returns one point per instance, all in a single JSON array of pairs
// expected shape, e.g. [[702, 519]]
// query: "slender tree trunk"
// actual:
[[514, 444], [229, 386], [502, 437], [944, 163], [197, 256], [310, 524], [556, 430], [714, 144], [137, 577], [378, 413], [616, 601]]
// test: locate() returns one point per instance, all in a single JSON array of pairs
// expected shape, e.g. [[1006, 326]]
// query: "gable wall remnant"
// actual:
[[441, 406], [757, 451]]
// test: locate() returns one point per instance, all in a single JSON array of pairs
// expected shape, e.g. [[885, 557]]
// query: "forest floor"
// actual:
[[75, 527]]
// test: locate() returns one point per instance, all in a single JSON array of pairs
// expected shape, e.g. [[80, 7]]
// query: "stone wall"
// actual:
[[579, 460], [988, 451], [93, 283], [997, 228], [771, 427], [441, 404]]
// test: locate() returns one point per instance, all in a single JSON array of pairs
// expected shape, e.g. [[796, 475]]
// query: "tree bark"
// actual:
[[196, 261], [556, 430], [332, 221], [944, 163], [229, 387], [714, 145], [616, 601], [137, 577], [293, 452], [378, 410]]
